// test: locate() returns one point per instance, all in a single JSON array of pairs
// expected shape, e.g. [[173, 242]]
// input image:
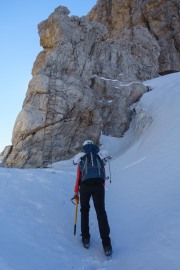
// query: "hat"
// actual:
[[88, 142]]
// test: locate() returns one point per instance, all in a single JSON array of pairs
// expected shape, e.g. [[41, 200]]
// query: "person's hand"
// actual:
[[75, 197]]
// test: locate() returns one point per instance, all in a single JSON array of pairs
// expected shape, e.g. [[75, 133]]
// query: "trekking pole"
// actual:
[[109, 171], [76, 212]]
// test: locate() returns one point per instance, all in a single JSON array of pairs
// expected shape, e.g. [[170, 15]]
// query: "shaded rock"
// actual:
[[114, 98], [5, 153], [160, 18]]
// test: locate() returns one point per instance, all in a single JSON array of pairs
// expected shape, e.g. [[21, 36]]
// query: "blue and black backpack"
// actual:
[[91, 165]]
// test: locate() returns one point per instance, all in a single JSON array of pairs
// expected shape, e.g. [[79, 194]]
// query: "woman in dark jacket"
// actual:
[[90, 181]]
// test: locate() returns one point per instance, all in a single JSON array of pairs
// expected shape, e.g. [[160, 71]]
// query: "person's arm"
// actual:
[[77, 158], [104, 155], [78, 178]]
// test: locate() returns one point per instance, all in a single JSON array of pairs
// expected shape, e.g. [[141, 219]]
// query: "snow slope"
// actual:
[[142, 202]]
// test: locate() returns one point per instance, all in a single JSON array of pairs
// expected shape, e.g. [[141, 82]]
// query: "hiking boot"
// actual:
[[86, 242], [108, 250]]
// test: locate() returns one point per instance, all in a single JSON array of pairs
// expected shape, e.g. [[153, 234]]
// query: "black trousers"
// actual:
[[97, 192]]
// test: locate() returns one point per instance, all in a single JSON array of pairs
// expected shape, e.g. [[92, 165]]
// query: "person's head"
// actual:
[[88, 142], [90, 146]]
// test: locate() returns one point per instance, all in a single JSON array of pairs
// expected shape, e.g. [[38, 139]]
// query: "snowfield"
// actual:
[[142, 202]]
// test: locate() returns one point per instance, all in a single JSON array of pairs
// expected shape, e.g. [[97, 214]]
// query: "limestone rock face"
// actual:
[[84, 81], [163, 19], [160, 18], [114, 98], [59, 111]]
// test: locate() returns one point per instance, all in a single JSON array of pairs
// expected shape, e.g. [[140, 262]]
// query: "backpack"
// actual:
[[91, 165]]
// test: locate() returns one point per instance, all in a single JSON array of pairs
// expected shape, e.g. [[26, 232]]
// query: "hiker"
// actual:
[[90, 181]]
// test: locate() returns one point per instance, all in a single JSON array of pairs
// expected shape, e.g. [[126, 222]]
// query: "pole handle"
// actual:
[[75, 217], [76, 212]]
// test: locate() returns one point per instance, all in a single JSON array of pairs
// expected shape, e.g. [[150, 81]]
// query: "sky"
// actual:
[[142, 200], [19, 48]]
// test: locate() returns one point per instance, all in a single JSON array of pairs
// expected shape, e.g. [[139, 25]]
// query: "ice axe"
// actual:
[[76, 211]]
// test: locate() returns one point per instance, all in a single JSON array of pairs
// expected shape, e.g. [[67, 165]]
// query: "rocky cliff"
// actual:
[[130, 20], [88, 75]]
